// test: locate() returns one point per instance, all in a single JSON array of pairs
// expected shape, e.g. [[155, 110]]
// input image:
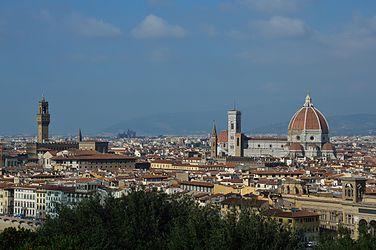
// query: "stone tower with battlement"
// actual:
[[43, 120]]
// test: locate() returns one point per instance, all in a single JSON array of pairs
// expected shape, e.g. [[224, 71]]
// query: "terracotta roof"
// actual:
[[223, 136], [285, 214], [277, 172], [197, 183], [309, 118], [93, 157], [155, 177], [84, 180], [328, 146], [162, 161], [232, 180], [296, 147]]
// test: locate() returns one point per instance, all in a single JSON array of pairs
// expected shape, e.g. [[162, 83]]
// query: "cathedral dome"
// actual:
[[328, 147], [296, 147], [308, 118]]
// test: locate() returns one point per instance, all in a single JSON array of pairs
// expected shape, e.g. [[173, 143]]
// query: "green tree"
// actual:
[[151, 220]]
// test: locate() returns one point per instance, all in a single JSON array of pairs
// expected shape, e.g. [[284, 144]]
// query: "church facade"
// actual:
[[307, 136]]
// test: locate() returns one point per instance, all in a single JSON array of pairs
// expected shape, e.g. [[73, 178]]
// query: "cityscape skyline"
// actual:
[[177, 124], [106, 59], [167, 124]]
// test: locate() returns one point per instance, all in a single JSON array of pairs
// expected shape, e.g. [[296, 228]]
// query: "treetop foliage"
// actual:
[[154, 220]]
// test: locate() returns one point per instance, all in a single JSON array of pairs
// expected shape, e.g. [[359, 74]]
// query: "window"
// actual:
[[312, 138], [298, 138], [232, 125]]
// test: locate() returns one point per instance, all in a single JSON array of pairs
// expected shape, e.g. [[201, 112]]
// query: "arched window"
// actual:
[[349, 191]]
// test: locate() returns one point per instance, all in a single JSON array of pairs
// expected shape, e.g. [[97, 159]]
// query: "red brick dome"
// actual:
[[328, 147], [308, 118], [296, 147]]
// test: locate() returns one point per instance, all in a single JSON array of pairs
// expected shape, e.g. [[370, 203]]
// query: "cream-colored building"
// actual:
[[352, 209]]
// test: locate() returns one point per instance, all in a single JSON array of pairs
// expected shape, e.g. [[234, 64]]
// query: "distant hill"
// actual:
[[184, 123], [356, 124], [190, 123]]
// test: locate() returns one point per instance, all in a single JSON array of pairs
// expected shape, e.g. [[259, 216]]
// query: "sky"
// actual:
[[99, 63]]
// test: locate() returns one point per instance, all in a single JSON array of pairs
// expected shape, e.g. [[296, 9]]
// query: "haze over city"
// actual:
[[101, 63]]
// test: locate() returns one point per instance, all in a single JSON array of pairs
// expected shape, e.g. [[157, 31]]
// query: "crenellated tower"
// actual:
[[43, 120]]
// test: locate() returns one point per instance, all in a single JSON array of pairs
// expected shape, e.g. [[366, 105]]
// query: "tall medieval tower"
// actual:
[[1, 155], [43, 119], [234, 127], [214, 142], [79, 136]]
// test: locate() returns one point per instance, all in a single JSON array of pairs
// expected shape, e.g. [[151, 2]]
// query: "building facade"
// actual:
[[352, 209]]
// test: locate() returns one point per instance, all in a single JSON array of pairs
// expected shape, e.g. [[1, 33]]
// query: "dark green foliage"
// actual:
[[12, 238], [151, 220], [342, 240]]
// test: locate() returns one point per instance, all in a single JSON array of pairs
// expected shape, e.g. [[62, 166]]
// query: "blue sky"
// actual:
[[103, 62]]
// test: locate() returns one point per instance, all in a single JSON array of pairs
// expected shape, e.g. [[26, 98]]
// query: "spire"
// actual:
[[79, 135], [214, 142], [214, 130], [308, 101]]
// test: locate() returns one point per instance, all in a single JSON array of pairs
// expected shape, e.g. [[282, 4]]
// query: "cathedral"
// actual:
[[307, 136]]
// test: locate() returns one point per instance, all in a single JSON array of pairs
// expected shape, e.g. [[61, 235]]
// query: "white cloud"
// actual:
[[155, 27], [279, 26], [160, 55], [274, 5], [360, 35], [91, 27]]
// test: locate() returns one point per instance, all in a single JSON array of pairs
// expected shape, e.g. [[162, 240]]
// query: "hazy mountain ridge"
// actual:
[[201, 123]]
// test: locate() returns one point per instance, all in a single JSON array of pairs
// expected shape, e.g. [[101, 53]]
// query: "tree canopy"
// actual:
[[154, 220]]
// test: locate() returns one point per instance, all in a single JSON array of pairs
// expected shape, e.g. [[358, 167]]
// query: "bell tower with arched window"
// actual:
[[353, 188]]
